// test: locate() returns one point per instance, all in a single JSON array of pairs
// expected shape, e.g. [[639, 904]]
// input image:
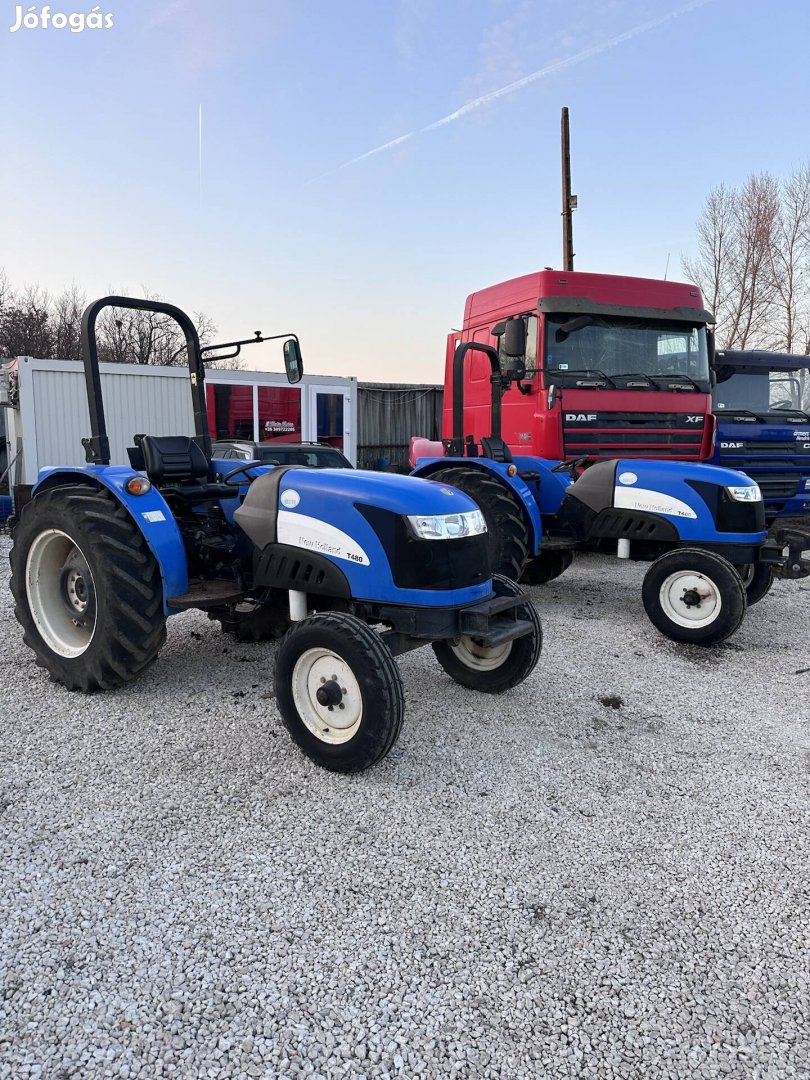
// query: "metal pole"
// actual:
[[569, 201]]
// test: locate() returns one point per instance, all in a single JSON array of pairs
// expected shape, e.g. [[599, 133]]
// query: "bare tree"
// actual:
[[66, 320], [25, 326], [753, 262], [790, 263], [32, 323], [711, 269]]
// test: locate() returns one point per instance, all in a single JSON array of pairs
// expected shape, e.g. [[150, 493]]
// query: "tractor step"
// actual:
[[502, 630], [205, 594], [494, 622]]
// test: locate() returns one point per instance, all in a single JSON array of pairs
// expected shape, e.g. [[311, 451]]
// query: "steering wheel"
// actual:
[[226, 479], [570, 465], [784, 404]]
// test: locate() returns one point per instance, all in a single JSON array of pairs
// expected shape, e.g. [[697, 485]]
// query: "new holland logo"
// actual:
[[580, 417]]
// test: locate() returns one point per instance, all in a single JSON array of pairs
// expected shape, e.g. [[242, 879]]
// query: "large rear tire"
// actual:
[[87, 589], [693, 596], [547, 566], [507, 534], [498, 668], [339, 691]]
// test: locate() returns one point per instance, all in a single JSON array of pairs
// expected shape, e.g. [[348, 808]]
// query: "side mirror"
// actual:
[[513, 339], [293, 361]]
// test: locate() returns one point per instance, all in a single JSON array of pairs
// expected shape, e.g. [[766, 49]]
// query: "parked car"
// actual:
[[314, 455]]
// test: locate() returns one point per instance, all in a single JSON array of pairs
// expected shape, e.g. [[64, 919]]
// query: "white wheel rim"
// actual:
[[478, 657], [690, 599], [339, 722], [57, 606], [746, 573]]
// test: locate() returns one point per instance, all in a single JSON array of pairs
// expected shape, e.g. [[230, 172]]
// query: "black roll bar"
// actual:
[[97, 447], [456, 444]]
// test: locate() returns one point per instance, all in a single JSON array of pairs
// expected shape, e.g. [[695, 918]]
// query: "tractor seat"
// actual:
[[496, 449], [176, 465]]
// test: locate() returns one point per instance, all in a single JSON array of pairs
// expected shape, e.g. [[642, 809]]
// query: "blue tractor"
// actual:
[[763, 429], [353, 568], [701, 527]]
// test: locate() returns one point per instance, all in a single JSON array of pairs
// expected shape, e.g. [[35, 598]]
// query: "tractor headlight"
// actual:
[[447, 526], [747, 493]]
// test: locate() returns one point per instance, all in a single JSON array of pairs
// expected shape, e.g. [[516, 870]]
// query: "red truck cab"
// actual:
[[616, 367]]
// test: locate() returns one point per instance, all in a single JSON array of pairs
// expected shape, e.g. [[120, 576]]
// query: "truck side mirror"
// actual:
[[293, 361], [513, 341]]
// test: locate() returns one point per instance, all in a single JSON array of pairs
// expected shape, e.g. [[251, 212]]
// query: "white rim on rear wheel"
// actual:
[[690, 599], [335, 718], [479, 657], [58, 595]]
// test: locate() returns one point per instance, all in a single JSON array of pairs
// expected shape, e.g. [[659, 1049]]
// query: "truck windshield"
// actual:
[[638, 354], [764, 392]]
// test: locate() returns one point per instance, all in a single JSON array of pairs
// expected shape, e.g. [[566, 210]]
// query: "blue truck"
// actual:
[[761, 402]]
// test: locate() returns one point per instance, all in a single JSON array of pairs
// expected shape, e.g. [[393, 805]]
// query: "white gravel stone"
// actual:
[[536, 885]]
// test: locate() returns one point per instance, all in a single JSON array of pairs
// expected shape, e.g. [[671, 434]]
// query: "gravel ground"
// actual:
[[538, 885]]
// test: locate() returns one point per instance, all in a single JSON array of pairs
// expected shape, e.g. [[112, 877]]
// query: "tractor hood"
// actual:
[[387, 533], [694, 503], [389, 491]]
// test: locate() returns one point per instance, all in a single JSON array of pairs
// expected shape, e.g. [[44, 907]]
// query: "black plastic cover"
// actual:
[[428, 564]]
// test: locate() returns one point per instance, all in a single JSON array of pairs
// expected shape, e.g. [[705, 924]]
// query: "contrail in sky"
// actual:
[[200, 152], [513, 87]]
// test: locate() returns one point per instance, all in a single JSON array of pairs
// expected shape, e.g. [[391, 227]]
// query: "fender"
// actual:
[[526, 499], [150, 512]]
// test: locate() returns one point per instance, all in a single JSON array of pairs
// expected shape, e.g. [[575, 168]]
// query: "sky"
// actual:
[[299, 216]]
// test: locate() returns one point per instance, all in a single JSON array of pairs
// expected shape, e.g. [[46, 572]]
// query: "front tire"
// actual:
[[507, 535], [694, 597], [87, 589], [339, 691], [495, 669], [758, 578]]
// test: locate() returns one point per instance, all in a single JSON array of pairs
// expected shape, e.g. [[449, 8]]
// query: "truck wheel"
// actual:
[[546, 566], [339, 691], [87, 589], [250, 621], [757, 579], [694, 596], [492, 670], [506, 529]]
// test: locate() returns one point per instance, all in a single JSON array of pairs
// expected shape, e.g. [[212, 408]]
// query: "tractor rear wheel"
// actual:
[[339, 691], [494, 669], [694, 596], [507, 533], [547, 566], [87, 589], [757, 579]]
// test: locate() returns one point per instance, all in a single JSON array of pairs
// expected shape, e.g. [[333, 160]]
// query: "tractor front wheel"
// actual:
[[87, 589], [507, 534], [693, 596], [493, 669], [339, 691]]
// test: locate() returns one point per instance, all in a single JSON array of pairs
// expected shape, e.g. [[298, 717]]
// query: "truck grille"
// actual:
[[775, 485], [616, 434], [731, 449]]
